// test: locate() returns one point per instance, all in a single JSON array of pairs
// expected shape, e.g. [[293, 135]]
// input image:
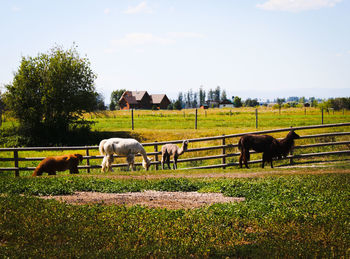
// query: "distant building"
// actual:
[[226, 103], [142, 100], [160, 100], [212, 103]]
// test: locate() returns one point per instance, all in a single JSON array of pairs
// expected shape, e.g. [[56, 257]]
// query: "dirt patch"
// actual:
[[153, 199]]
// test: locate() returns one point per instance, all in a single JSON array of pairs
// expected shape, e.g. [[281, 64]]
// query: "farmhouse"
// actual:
[[225, 103], [142, 100]]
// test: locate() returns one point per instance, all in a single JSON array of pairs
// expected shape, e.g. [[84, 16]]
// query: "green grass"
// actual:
[[166, 125], [288, 212], [283, 216], [209, 119]]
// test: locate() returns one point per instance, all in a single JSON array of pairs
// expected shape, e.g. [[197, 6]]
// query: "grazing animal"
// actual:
[[268, 145], [123, 147], [59, 163], [173, 150]]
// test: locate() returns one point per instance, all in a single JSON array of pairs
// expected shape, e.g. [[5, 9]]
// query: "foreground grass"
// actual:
[[284, 215]]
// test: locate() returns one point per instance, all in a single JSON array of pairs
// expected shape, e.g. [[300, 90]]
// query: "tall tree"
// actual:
[[180, 99], [115, 96], [202, 95], [280, 101], [51, 91], [210, 95], [237, 102], [217, 93], [251, 102], [195, 100], [100, 102], [223, 95]]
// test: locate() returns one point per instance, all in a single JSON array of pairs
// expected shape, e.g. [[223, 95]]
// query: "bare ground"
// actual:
[[175, 200], [153, 199]]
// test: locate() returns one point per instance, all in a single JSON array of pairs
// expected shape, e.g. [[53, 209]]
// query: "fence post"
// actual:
[[132, 119], [15, 157], [195, 124], [88, 159], [156, 155], [322, 115], [256, 118], [223, 151]]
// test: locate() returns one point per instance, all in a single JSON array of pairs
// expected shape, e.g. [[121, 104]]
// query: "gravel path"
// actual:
[[154, 199]]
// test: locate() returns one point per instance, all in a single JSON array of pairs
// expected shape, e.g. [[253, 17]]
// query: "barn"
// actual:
[[142, 100]]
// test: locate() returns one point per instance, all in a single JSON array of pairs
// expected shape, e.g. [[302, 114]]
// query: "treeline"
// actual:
[[193, 99], [213, 97]]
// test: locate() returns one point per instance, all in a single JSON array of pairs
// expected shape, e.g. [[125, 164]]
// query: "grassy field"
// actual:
[[300, 211], [286, 214], [166, 125]]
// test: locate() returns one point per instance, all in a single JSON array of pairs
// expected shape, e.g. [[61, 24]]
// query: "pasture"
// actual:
[[297, 211], [164, 125]]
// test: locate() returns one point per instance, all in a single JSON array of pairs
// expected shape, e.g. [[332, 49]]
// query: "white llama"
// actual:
[[123, 147], [169, 150]]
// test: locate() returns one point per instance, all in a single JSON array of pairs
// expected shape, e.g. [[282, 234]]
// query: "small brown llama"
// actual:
[[173, 150], [52, 164], [268, 145]]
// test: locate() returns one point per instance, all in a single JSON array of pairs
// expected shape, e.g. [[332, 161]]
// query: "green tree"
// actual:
[[202, 95], [302, 99], [251, 102], [115, 96], [237, 102], [177, 105], [170, 106], [217, 93], [280, 101], [223, 95], [50, 92], [100, 103]]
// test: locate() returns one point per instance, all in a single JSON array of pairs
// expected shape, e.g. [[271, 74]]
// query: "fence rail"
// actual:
[[16, 159]]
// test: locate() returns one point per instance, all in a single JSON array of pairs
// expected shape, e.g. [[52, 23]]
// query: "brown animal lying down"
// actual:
[[59, 163]]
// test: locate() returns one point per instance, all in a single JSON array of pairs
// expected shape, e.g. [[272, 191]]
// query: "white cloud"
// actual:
[[140, 8], [15, 9], [107, 11], [296, 5]]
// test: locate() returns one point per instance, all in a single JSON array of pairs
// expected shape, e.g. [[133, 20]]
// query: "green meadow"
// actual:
[[283, 215], [300, 211], [166, 125]]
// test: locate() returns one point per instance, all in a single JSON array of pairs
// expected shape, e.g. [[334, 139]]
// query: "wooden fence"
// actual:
[[16, 159]]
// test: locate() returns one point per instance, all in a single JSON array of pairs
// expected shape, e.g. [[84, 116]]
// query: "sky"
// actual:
[[251, 48]]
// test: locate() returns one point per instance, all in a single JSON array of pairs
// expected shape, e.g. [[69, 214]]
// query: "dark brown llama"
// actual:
[[268, 145]]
